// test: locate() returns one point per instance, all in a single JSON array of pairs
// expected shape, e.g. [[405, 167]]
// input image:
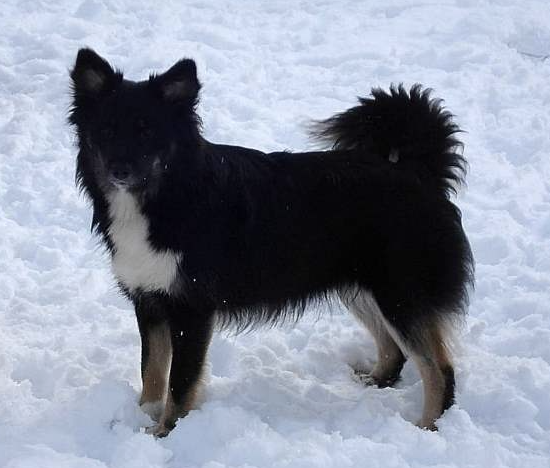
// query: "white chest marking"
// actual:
[[135, 263]]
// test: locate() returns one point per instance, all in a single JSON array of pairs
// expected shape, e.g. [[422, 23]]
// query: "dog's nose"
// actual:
[[120, 172]]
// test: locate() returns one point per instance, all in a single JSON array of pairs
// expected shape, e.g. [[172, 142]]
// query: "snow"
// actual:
[[280, 397]]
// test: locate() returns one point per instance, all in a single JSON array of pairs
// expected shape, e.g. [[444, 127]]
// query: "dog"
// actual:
[[202, 233]]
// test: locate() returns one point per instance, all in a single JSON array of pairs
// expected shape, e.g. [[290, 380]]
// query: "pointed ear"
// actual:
[[180, 82], [92, 74]]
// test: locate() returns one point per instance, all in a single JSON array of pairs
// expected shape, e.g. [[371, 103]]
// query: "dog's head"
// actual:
[[129, 131]]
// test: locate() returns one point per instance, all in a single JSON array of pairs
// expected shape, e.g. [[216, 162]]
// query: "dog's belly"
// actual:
[[135, 263]]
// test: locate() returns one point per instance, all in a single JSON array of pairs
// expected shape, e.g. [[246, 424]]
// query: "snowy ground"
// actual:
[[69, 352]]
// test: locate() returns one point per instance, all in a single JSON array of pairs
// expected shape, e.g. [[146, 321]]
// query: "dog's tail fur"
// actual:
[[408, 128]]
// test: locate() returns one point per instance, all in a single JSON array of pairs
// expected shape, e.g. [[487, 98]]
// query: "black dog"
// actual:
[[200, 232]]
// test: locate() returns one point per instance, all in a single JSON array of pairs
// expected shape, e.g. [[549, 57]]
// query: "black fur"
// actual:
[[449, 393], [263, 235], [412, 123]]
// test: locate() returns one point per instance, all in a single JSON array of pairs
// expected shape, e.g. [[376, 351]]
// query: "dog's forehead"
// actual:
[[132, 98], [133, 90]]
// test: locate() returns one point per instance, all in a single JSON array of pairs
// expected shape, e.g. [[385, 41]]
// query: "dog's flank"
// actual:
[[201, 233]]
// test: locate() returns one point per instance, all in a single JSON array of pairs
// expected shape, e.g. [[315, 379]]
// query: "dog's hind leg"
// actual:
[[424, 340], [391, 359], [433, 361], [156, 354]]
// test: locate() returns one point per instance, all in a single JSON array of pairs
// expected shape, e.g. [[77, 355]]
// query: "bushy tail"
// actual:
[[408, 128]]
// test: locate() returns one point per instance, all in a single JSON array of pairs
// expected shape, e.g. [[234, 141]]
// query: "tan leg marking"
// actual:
[[428, 351], [433, 365], [173, 412], [390, 357], [155, 375]]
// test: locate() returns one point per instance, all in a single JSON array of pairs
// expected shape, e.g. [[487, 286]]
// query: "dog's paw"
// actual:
[[427, 425], [364, 377], [159, 430], [368, 379]]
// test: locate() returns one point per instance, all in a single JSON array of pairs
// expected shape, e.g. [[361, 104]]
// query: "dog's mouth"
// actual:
[[129, 183], [123, 177], [120, 183]]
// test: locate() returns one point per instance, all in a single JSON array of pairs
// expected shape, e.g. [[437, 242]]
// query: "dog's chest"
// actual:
[[135, 263]]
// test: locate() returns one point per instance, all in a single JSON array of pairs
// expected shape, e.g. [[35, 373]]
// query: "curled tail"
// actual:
[[407, 128]]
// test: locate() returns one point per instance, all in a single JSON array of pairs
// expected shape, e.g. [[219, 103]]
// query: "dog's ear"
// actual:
[[92, 74], [179, 83]]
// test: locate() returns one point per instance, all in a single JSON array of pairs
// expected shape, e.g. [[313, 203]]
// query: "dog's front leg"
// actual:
[[190, 333], [156, 351]]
